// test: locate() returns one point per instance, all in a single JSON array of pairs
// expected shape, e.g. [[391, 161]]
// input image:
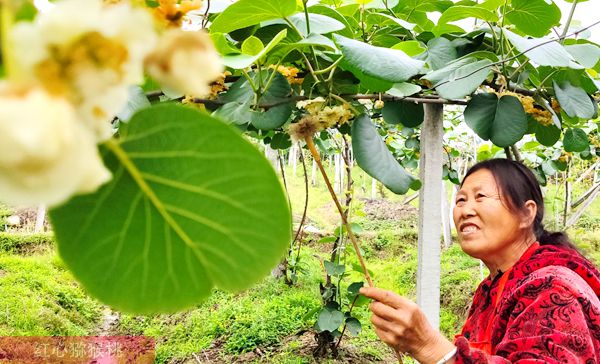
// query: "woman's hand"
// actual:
[[400, 323]]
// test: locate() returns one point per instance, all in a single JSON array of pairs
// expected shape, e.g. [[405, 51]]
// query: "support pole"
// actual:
[[430, 214]]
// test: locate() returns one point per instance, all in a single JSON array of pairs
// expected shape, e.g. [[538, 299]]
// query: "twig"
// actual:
[[317, 157], [568, 23], [205, 19]]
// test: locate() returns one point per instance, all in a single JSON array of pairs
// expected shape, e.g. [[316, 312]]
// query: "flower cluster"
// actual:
[[290, 73], [70, 72], [541, 115], [318, 117]]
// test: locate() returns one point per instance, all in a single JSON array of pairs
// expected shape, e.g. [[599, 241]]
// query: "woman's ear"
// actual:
[[529, 212]]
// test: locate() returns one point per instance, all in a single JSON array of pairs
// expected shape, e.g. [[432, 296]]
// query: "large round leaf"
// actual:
[[548, 54], [387, 64], [192, 205], [329, 319], [503, 121], [272, 118], [319, 24], [244, 13], [574, 100], [410, 114], [575, 140], [458, 12], [533, 17], [547, 135], [460, 78], [373, 156], [440, 52], [586, 54]]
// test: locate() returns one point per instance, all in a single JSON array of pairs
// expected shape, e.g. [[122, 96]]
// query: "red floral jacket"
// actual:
[[548, 312]]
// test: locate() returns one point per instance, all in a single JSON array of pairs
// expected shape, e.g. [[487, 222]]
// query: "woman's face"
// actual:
[[487, 229]]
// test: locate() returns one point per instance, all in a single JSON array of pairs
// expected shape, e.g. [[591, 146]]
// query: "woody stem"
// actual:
[[311, 146]]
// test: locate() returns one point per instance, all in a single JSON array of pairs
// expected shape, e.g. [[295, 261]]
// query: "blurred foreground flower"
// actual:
[[88, 52], [185, 62], [45, 154]]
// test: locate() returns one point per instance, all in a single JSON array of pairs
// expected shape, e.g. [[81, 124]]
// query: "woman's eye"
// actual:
[[480, 196], [459, 200]]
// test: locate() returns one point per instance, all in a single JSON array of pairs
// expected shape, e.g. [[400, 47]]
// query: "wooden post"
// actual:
[[446, 217], [430, 214], [373, 188], [40, 218]]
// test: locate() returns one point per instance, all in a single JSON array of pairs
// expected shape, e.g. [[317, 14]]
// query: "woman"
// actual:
[[540, 303]]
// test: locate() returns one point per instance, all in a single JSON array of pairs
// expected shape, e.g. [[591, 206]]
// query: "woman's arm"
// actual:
[[400, 323], [552, 317]]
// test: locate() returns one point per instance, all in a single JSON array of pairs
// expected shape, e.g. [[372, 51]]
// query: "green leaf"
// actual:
[[273, 118], [244, 13], [459, 12], [354, 288], [192, 205], [373, 156], [241, 92], [387, 64], [440, 52], [353, 326], [533, 17], [223, 46], [335, 14], [585, 54], [317, 40], [329, 319], [235, 112], [404, 89], [252, 46], [334, 269], [575, 140], [240, 61], [281, 141], [550, 54], [460, 78], [410, 47], [574, 100], [407, 113], [319, 24], [503, 121], [547, 135], [403, 23], [327, 239]]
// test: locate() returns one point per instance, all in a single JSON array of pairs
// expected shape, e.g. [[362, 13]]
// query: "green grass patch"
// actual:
[[25, 243], [39, 297], [260, 317]]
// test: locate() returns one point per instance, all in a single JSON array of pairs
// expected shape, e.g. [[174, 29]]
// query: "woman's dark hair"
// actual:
[[518, 185]]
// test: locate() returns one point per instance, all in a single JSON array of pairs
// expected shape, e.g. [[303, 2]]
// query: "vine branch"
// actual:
[[313, 150]]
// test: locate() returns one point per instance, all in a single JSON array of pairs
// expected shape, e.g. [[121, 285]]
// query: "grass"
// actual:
[[26, 243], [39, 297]]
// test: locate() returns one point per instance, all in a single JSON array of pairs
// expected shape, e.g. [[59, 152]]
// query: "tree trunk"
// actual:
[[271, 155], [337, 174], [313, 174], [40, 218], [373, 188], [430, 217], [567, 206]]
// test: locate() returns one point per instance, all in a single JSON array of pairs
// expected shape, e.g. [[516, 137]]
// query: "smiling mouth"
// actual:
[[468, 229]]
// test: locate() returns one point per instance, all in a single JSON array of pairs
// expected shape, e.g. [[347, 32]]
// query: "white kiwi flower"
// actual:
[[46, 155]]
